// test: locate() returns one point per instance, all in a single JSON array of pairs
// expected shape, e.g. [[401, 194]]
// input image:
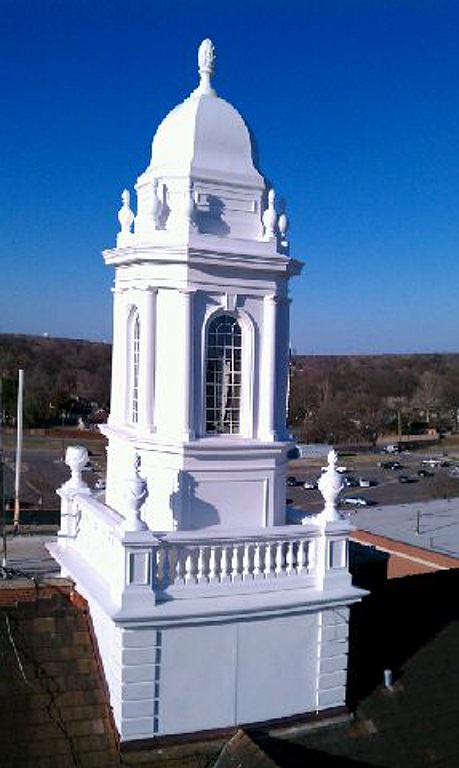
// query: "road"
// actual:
[[43, 471]]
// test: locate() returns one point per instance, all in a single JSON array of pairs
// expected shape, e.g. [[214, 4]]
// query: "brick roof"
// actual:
[[54, 709]]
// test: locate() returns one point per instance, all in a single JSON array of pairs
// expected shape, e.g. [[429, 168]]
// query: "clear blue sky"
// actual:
[[355, 106]]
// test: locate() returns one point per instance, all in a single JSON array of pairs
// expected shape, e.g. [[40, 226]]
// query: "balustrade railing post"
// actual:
[[202, 575], [179, 567], [257, 573], [225, 574], [269, 564], [165, 574], [190, 568], [301, 557], [246, 571], [235, 574], [213, 575], [280, 559], [291, 570]]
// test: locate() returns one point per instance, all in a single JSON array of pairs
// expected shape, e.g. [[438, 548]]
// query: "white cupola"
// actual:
[[209, 611], [205, 137], [201, 332]]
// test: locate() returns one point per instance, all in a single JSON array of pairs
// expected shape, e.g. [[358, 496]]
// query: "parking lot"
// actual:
[[414, 481], [44, 471]]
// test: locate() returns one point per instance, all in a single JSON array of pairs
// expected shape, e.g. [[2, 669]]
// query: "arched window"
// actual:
[[223, 375], [135, 364]]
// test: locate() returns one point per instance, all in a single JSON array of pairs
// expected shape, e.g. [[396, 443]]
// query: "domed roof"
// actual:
[[204, 136]]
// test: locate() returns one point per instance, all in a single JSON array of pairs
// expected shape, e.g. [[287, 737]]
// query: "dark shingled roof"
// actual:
[[242, 752], [55, 711], [414, 725], [54, 708]]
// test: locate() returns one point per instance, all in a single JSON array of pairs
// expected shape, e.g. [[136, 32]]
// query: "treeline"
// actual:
[[65, 379], [358, 398], [332, 398]]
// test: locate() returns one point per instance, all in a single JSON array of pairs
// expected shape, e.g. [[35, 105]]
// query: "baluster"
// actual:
[[280, 559], [307, 556], [202, 575], [257, 572], [224, 565], [246, 572], [301, 557], [165, 574], [190, 568], [269, 564], [156, 559], [235, 575], [291, 570], [213, 575], [179, 567]]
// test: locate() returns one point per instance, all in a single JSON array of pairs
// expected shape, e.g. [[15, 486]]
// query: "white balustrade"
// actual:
[[190, 563], [95, 538]]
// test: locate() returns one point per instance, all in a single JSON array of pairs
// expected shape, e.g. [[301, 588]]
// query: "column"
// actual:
[[282, 368], [148, 358], [118, 393], [268, 379], [188, 354]]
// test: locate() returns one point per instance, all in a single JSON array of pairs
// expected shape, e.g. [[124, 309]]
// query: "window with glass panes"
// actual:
[[223, 375], [135, 370]]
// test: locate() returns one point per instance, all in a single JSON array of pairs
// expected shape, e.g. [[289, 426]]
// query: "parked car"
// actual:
[[425, 473], [292, 481], [100, 484], [407, 479], [310, 485], [431, 463], [364, 482], [358, 501], [350, 482], [340, 468], [391, 465]]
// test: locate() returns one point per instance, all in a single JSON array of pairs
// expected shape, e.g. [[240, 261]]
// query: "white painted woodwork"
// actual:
[[209, 611]]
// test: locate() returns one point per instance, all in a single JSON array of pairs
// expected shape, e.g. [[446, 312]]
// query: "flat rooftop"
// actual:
[[431, 525]]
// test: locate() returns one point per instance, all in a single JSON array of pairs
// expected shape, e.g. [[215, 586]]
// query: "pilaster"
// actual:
[[269, 354], [187, 404], [148, 359], [119, 361]]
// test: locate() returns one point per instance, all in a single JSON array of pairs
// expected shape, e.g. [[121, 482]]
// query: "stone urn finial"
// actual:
[[206, 62], [134, 495], [283, 225], [330, 484], [125, 215], [76, 457], [270, 217]]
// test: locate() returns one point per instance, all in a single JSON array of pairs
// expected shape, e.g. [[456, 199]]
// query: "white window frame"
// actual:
[[247, 376]]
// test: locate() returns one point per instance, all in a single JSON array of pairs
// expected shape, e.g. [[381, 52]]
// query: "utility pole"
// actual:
[[17, 483], [2, 486]]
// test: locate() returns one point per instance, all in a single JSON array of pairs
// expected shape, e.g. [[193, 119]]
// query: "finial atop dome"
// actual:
[[206, 61]]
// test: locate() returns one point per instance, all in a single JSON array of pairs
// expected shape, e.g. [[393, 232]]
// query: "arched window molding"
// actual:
[[228, 360]]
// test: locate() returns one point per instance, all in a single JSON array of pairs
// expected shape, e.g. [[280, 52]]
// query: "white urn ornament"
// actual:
[[134, 495], [125, 214], [330, 484], [76, 457]]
